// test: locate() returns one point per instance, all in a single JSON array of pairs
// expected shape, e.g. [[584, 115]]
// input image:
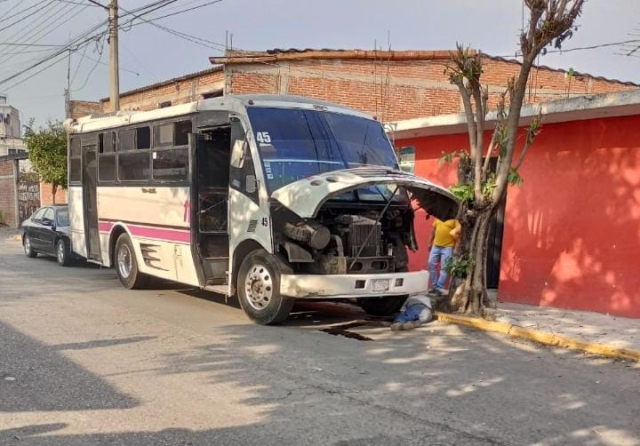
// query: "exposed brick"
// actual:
[[389, 89]]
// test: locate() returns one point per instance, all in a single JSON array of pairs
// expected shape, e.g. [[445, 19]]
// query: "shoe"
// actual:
[[411, 325], [396, 326], [418, 324], [435, 292]]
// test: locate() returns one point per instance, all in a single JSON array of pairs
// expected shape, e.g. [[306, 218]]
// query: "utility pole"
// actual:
[[114, 68], [67, 92]]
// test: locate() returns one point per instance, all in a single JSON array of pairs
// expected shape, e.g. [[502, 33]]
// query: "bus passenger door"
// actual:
[[212, 171], [90, 201]]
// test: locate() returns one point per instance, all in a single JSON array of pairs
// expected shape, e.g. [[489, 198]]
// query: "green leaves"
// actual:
[[458, 267], [48, 151], [463, 192], [449, 157], [514, 178]]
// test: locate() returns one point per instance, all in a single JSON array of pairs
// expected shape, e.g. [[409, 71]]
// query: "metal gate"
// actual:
[[28, 196]]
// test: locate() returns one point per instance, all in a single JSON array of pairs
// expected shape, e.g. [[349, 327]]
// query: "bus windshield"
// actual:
[[296, 144]]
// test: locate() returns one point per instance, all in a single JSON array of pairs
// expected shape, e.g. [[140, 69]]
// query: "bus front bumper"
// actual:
[[352, 286]]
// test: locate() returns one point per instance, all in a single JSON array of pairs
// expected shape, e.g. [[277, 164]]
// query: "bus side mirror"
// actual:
[[239, 153], [251, 184]]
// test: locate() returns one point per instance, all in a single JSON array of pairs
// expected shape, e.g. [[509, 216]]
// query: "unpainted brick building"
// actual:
[[392, 85]]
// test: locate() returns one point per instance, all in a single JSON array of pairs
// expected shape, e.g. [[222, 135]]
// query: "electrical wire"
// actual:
[[27, 16], [75, 73], [100, 52], [86, 37], [193, 39], [44, 29], [9, 10]]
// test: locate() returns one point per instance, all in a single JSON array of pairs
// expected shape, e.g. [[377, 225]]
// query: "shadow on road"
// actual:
[[36, 377]]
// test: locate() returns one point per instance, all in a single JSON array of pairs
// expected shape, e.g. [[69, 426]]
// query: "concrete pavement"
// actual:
[[84, 362]]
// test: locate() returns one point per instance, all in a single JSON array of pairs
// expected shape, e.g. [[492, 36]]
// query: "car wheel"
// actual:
[[382, 306], [28, 249], [258, 288], [63, 253], [127, 265]]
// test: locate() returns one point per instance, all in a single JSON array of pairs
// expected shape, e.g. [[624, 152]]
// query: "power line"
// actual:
[[10, 9], [43, 29], [100, 52], [29, 44], [194, 39], [77, 43], [27, 16], [190, 38], [75, 73], [75, 3], [86, 37], [187, 10]]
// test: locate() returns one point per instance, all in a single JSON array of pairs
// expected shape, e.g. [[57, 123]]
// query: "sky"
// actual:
[[149, 54]]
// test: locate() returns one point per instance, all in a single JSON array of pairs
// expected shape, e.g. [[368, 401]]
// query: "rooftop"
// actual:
[[238, 57], [607, 105], [185, 77]]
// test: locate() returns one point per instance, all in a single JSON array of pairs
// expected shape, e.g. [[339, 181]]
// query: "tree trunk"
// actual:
[[470, 295], [54, 190]]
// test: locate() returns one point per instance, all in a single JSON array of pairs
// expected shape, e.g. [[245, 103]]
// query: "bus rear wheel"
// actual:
[[127, 265], [258, 288]]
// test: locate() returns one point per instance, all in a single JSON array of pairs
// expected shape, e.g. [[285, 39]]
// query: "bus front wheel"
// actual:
[[127, 265], [259, 289]]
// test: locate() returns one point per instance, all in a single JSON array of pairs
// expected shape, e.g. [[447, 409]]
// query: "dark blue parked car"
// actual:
[[47, 232]]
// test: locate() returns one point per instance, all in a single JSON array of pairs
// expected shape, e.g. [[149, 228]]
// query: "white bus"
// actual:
[[269, 198]]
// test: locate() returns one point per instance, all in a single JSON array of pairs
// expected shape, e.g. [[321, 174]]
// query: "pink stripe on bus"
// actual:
[[161, 234], [105, 226], [177, 235]]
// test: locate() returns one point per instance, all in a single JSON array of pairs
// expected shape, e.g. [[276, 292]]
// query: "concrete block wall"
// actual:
[[7, 193]]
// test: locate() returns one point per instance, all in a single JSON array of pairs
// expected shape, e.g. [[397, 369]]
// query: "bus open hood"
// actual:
[[306, 196]]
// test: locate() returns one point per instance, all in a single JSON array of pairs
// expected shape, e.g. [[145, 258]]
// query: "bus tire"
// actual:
[[382, 306], [258, 286], [126, 264]]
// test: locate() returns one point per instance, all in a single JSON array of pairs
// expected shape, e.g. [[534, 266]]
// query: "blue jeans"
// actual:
[[439, 254]]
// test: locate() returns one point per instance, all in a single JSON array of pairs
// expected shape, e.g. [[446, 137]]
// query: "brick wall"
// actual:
[[7, 193], [84, 108], [399, 90], [176, 91], [46, 197], [389, 89]]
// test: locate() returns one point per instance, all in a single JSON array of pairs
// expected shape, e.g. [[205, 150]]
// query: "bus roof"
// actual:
[[232, 103]]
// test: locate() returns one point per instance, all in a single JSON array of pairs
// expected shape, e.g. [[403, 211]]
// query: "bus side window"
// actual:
[[242, 172], [75, 158]]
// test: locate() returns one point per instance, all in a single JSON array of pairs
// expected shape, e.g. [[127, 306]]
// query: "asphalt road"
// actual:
[[85, 362]]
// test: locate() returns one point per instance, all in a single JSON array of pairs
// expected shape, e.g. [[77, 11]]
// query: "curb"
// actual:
[[542, 337]]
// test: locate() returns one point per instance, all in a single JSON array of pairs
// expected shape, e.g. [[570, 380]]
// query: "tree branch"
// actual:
[[477, 155], [487, 159], [468, 111]]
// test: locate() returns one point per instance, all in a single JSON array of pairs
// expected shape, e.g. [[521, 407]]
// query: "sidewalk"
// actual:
[[595, 333], [9, 233]]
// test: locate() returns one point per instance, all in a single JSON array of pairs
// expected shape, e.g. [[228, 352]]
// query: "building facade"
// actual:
[[19, 189], [10, 129], [571, 232], [391, 85]]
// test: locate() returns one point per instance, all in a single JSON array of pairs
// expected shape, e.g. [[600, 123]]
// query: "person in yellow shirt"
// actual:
[[443, 240]]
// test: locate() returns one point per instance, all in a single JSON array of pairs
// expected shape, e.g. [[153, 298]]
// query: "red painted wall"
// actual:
[[572, 231]]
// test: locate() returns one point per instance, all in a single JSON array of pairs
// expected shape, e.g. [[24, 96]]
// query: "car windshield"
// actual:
[[296, 144], [62, 217]]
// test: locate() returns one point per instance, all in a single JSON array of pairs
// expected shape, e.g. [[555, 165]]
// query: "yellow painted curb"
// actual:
[[542, 337]]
